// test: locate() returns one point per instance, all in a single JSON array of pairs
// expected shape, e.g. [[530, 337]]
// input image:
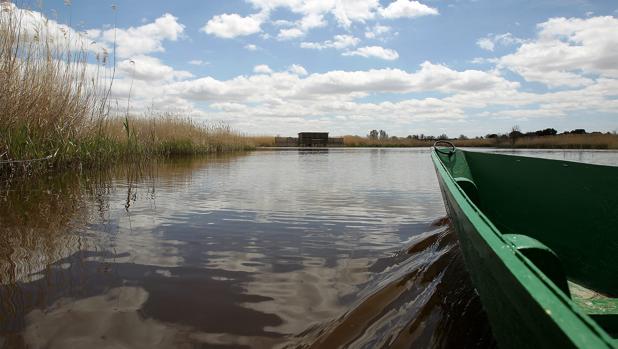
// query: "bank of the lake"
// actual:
[[561, 141], [114, 140]]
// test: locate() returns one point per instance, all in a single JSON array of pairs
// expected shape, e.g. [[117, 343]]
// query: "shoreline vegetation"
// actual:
[[57, 109], [559, 141]]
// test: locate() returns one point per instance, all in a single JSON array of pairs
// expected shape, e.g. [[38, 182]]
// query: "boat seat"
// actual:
[[469, 187], [543, 258]]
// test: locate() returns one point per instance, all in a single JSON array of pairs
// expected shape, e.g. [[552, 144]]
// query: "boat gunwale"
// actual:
[[578, 163], [476, 216]]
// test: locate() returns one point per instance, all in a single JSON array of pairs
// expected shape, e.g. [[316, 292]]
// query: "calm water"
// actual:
[[267, 249]]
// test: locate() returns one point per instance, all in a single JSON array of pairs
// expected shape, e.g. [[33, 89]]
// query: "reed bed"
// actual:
[[263, 141], [54, 106], [475, 142], [570, 141], [562, 141], [169, 134], [358, 141], [47, 102]]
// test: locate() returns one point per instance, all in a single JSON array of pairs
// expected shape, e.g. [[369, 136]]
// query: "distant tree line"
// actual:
[[383, 136], [515, 133]]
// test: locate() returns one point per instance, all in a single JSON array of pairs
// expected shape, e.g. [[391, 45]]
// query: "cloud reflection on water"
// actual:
[[247, 251]]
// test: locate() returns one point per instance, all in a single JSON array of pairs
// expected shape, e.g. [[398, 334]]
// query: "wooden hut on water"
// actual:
[[309, 140]]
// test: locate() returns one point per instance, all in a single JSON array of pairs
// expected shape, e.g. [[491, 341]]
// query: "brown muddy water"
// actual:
[[323, 249]]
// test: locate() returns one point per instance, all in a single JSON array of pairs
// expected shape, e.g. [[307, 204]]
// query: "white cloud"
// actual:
[[483, 60], [489, 42], [312, 17], [232, 25], [282, 23], [297, 69], [338, 85], [568, 52], [251, 47], [339, 42], [262, 69], [198, 62], [144, 39], [129, 42], [407, 8], [525, 113], [291, 33], [289, 99], [310, 21], [313, 14], [431, 77], [486, 44], [149, 69], [375, 52], [35, 26], [376, 31], [348, 11]]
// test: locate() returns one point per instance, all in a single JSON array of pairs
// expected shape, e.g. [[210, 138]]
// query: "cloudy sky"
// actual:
[[349, 66]]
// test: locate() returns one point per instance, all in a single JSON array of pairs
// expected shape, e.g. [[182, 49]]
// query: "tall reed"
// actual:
[[47, 102], [170, 134], [54, 104]]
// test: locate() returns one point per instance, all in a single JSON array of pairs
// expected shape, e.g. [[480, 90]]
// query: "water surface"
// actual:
[[339, 247]]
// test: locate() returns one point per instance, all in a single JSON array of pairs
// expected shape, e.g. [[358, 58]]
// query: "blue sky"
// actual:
[[284, 66]]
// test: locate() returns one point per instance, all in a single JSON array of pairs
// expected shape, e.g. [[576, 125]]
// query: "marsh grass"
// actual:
[[570, 141], [358, 141], [54, 103], [263, 141], [168, 134], [563, 141], [47, 102]]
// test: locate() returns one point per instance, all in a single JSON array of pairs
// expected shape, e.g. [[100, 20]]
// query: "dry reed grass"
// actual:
[[263, 141], [476, 142], [570, 141], [46, 99], [169, 134], [358, 141], [563, 141], [53, 102]]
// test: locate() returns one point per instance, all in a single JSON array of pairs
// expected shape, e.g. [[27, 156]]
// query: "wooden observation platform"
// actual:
[[309, 140]]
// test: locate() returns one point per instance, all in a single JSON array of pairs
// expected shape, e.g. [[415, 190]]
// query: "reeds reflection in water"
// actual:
[[55, 227]]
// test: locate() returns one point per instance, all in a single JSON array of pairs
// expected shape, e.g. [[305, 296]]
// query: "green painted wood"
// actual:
[[542, 257], [570, 207], [524, 306]]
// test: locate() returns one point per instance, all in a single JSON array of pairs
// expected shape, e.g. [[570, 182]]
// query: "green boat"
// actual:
[[540, 240]]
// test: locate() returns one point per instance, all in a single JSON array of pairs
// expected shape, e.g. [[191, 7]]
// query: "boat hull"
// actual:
[[525, 310]]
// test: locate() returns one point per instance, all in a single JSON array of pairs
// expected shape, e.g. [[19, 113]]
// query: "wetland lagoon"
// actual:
[[297, 248]]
